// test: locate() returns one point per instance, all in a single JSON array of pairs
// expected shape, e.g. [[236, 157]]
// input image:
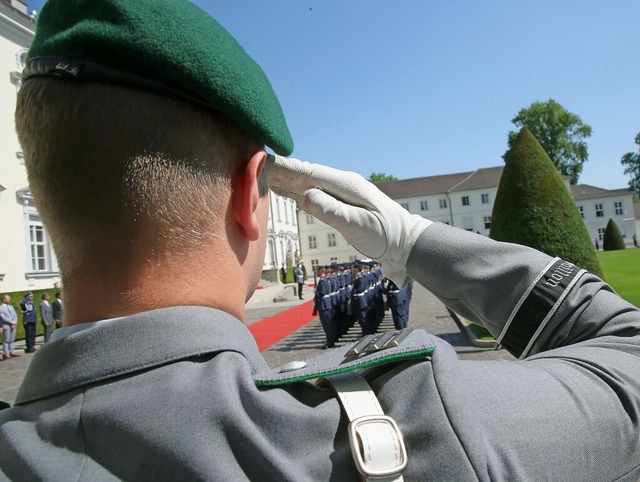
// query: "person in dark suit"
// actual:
[[58, 310]]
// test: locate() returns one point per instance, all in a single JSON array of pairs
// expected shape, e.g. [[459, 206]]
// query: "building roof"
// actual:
[[481, 179], [487, 177], [16, 11], [584, 191], [484, 178], [422, 185]]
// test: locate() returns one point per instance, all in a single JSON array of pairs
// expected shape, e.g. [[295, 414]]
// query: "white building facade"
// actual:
[[465, 200], [26, 257], [597, 206], [283, 244]]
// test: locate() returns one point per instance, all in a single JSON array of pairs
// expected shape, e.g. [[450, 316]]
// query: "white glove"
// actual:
[[373, 223]]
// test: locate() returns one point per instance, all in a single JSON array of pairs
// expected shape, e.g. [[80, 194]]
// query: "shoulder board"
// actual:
[[372, 350]]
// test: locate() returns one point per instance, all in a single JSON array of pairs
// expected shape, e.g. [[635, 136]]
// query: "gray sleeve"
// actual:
[[571, 409], [529, 301]]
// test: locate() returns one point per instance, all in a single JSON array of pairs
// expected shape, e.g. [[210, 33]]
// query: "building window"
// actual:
[[310, 219], [278, 208], [334, 260], [293, 213], [465, 200], [331, 238], [314, 263], [353, 257], [286, 212], [599, 211], [39, 252], [467, 224], [485, 198], [313, 243], [601, 233], [443, 203], [581, 209], [424, 206], [405, 205], [618, 206], [487, 222]]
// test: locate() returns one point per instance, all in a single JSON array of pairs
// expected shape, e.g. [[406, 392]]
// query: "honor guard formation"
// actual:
[[158, 122], [349, 293]]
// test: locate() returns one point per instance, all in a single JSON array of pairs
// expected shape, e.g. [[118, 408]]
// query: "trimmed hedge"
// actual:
[[18, 296], [612, 239], [533, 207]]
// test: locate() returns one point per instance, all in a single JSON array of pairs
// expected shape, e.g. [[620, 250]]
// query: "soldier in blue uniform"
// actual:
[[332, 274], [29, 322], [379, 295], [347, 318], [359, 296], [399, 304], [324, 306]]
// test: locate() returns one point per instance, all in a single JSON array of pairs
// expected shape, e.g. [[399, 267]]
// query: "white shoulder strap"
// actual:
[[376, 442]]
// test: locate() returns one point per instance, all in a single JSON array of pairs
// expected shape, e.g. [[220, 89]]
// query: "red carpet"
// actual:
[[273, 329]]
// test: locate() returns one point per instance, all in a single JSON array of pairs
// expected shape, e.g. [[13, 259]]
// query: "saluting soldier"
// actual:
[[153, 111]]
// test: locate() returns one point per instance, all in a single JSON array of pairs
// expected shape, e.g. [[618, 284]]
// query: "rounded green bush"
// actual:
[[533, 207], [612, 239]]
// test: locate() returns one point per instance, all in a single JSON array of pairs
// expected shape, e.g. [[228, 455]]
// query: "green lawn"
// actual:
[[621, 269]]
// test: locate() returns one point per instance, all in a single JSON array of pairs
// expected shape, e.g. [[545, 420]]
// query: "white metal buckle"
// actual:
[[361, 464]]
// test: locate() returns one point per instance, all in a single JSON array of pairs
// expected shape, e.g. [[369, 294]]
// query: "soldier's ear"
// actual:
[[246, 195]]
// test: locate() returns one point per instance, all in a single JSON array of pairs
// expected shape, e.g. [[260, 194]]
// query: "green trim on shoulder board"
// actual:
[[370, 351], [365, 363]]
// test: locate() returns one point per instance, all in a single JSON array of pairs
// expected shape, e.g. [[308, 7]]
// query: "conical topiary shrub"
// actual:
[[533, 207], [612, 237]]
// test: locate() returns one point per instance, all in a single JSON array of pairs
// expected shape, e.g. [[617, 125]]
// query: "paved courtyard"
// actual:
[[426, 312]]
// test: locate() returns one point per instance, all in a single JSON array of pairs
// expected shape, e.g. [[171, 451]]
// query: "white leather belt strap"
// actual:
[[376, 442]]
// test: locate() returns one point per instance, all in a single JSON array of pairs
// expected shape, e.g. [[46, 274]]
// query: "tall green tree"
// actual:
[[561, 133], [612, 238], [533, 207], [376, 177], [631, 163]]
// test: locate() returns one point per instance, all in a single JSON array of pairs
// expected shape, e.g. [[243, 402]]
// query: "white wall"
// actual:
[[282, 233], [322, 253], [622, 214], [16, 35]]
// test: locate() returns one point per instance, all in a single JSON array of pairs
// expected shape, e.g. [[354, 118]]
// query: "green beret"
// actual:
[[170, 46]]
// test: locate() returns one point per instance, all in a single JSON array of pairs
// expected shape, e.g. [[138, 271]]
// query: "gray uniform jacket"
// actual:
[[128, 405]]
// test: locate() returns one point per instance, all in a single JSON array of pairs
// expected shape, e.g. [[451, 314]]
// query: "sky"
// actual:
[[418, 88]]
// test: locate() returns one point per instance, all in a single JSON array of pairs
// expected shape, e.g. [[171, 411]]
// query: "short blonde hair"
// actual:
[[110, 163]]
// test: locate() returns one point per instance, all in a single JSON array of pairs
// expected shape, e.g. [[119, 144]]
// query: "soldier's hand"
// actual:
[[373, 223]]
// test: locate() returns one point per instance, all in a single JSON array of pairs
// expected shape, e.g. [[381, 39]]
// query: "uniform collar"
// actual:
[[134, 343]]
